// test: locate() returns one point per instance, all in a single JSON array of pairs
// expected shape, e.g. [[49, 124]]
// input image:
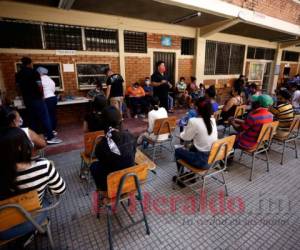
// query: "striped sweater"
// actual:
[[284, 113], [40, 176]]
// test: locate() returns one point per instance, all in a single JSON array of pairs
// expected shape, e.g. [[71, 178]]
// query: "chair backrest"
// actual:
[[295, 126], [240, 111], [267, 132], [220, 149], [164, 125], [10, 217], [217, 115], [89, 141], [140, 158], [114, 180]]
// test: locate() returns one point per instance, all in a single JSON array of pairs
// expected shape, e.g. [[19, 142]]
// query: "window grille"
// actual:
[[88, 75], [187, 46], [260, 53], [290, 56], [135, 42], [15, 34], [60, 36], [101, 39]]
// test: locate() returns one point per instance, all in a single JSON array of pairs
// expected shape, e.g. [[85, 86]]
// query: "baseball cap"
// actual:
[[264, 100]]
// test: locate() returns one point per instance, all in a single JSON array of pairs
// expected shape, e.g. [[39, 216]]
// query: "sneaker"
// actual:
[[54, 141], [54, 133]]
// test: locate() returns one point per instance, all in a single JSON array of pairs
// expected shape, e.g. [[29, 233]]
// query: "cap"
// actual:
[[42, 70], [264, 100]]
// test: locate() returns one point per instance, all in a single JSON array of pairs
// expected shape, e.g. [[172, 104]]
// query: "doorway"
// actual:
[[260, 73], [169, 59]]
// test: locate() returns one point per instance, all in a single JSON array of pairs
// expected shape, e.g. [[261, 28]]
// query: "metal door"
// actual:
[[169, 59]]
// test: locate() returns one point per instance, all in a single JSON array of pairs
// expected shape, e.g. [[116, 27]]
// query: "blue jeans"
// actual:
[[24, 228], [51, 103], [193, 157], [38, 112], [170, 102]]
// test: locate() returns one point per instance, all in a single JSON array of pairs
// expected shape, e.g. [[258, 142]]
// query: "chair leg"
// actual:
[[225, 186], [144, 217], [282, 154], [109, 227], [296, 150], [241, 155], [267, 158], [203, 185], [49, 234], [153, 153], [88, 181], [252, 166]]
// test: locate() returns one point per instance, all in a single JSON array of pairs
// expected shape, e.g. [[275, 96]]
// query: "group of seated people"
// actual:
[[21, 172]]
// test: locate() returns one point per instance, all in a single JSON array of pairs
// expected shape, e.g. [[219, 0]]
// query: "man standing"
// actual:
[[115, 89], [29, 82], [160, 83]]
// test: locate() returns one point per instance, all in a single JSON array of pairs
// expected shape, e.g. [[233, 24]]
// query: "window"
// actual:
[[223, 58], [59, 36], [290, 56], [187, 46], [88, 74], [101, 39], [15, 34], [260, 53], [54, 72], [135, 42]]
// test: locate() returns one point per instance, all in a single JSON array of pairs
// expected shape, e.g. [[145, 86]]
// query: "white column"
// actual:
[[274, 78], [199, 59], [121, 53]]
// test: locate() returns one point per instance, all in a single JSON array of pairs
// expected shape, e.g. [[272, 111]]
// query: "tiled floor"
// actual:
[[266, 213], [262, 214]]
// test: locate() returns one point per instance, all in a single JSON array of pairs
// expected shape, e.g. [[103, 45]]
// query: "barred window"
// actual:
[[88, 74], [260, 53], [290, 56], [101, 39], [223, 58], [59, 36], [135, 42], [15, 34], [54, 72], [187, 46]]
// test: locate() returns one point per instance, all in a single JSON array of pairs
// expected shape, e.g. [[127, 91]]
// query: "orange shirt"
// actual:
[[135, 92]]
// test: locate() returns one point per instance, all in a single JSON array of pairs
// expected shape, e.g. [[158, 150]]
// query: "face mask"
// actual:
[[147, 82], [21, 122], [181, 82], [162, 69]]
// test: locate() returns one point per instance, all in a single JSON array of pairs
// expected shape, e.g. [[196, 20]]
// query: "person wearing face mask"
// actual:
[[148, 91], [252, 92], [160, 83], [136, 96], [183, 95], [12, 119]]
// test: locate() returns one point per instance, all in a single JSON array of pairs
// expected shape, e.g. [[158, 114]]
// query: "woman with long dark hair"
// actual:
[[115, 151], [19, 174], [202, 130]]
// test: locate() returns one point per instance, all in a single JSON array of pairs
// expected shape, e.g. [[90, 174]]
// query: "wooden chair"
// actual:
[[91, 139], [141, 158], [263, 145], [121, 186], [239, 112], [217, 115], [162, 126], [219, 152], [22, 208], [290, 136]]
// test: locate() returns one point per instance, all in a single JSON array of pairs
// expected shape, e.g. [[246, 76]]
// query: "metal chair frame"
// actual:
[[262, 147]]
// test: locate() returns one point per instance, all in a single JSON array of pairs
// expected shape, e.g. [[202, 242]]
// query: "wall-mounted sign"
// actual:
[[65, 52], [166, 41], [68, 67]]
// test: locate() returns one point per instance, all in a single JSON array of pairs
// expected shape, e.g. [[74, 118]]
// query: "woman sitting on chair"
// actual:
[[19, 174], [202, 130], [115, 151]]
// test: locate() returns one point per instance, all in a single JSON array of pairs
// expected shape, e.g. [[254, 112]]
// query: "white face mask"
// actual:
[[147, 82], [21, 122], [181, 82]]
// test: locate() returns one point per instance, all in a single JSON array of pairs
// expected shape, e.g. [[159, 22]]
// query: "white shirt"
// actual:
[[296, 99], [48, 86], [154, 115], [197, 131]]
